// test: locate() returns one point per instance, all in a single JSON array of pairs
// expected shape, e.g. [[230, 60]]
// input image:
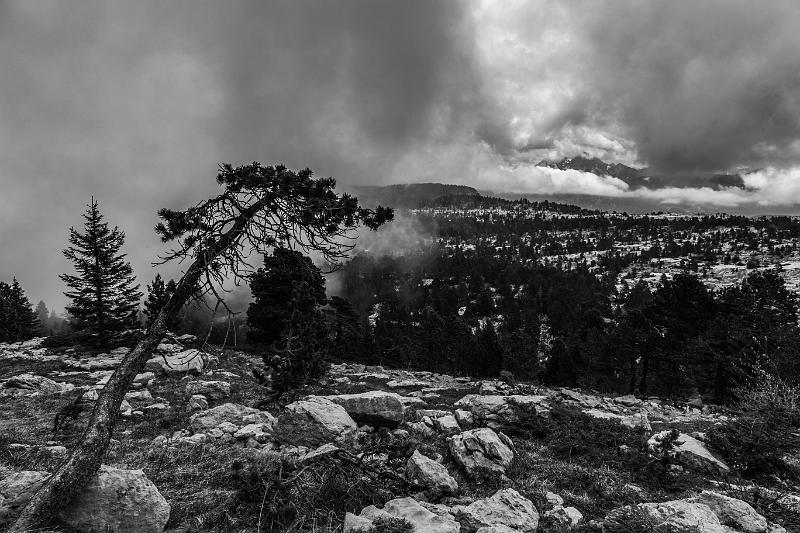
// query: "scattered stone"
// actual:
[[139, 396], [421, 519], [464, 418], [228, 427], [30, 384], [314, 421], [447, 424], [481, 449], [198, 402], [709, 512], [172, 363], [160, 406], [506, 507], [376, 408], [565, 516], [115, 500], [554, 499], [430, 474], [216, 390], [637, 420], [227, 412], [689, 452], [125, 409]]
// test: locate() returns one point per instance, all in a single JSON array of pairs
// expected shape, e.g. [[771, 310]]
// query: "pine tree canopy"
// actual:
[[158, 293], [103, 292], [18, 321]]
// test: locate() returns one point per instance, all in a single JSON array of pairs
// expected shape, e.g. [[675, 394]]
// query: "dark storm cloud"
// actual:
[[137, 102], [696, 85]]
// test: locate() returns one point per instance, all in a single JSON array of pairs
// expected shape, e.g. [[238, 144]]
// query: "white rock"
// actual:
[[481, 449], [228, 427], [421, 519], [198, 402], [314, 421], [185, 362], [229, 412], [216, 390], [566, 516], [447, 425], [506, 507], [115, 500], [30, 384], [249, 431], [689, 452], [376, 408], [430, 474]]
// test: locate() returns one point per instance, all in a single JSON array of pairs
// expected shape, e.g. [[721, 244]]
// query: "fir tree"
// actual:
[[42, 314], [158, 293], [104, 292], [18, 322]]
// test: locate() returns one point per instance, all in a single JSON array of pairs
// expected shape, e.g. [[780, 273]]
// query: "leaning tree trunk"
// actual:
[[84, 460]]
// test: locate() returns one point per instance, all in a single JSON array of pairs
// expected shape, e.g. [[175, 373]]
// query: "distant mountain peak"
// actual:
[[595, 165]]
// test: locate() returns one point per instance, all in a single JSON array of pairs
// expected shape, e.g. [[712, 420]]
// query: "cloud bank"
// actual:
[[137, 102]]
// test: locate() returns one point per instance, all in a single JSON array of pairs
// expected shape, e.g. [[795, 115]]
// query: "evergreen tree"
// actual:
[[158, 293], [104, 292], [273, 289], [42, 315], [18, 322]]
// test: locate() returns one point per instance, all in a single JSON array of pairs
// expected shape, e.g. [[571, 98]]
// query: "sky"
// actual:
[[137, 102]]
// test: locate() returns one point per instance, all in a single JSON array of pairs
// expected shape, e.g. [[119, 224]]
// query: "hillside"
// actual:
[[373, 449], [410, 195]]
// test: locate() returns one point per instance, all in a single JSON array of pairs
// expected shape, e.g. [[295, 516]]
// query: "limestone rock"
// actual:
[[733, 512], [122, 501], [447, 424], [15, 491], [506, 507], [421, 519], [198, 402], [171, 363], [482, 448], [565, 516], [376, 408], [118, 500], [216, 390], [227, 412], [428, 473], [709, 512], [29, 384], [690, 453], [314, 421]]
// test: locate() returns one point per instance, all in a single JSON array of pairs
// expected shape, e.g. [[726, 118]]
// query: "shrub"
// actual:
[[757, 441]]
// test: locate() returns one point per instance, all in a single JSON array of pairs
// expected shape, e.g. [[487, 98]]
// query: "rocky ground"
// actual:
[[368, 449]]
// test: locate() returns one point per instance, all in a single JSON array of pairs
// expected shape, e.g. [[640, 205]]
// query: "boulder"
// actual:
[[15, 491], [216, 390], [481, 449], [565, 516], [177, 363], [707, 513], [506, 507], [733, 512], [689, 452], [116, 500], [198, 402], [421, 519], [29, 384], [496, 410], [314, 421], [636, 420], [447, 424], [230, 412], [375, 408], [430, 474]]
